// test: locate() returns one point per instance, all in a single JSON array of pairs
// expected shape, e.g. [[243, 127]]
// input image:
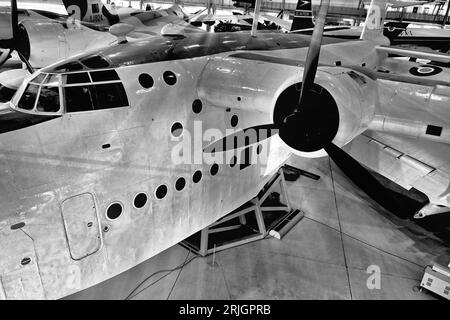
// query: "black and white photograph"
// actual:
[[217, 156]]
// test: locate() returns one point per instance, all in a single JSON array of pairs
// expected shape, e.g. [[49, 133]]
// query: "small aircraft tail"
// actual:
[[93, 11], [374, 25], [303, 16]]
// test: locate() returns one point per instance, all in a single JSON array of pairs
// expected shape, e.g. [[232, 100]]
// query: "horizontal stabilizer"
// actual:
[[212, 17]]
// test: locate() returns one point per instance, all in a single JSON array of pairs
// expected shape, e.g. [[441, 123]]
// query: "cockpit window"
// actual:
[[70, 66], [6, 93], [95, 97], [78, 78], [79, 99], [111, 95], [28, 98], [95, 62], [106, 75], [39, 78], [52, 79], [48, 100]]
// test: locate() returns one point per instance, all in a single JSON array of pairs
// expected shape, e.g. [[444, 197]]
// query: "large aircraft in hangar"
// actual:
[[110, 157]]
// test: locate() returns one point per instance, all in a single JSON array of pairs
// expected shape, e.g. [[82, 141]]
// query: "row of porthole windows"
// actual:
[[115, 209], [146, 80]]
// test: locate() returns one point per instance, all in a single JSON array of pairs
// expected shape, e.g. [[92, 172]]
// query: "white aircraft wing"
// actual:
[[409, 162], [403, 4], [214, 17], [422, 54]]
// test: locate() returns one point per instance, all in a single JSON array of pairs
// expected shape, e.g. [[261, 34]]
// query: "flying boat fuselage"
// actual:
[[102, 157]]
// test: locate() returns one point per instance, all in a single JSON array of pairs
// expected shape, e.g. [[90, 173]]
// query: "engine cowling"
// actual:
[[339, 108], [344, 99], [44, 42]]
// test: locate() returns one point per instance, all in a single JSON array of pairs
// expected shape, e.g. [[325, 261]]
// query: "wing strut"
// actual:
[[256, 18]]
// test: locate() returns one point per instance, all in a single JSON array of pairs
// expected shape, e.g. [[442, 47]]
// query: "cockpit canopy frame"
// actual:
[[76, 91]]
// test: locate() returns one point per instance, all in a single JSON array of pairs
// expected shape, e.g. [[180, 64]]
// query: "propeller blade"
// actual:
[[241, 138], [14, 19], [12, 44], [25, 61], [312, 58], [390, 200]]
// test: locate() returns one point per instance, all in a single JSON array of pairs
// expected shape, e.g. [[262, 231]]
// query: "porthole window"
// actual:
[[114, 211], [233, 161], [170, 78], [180, 184], [234, 121], [146, 80], [214, 169], [140, 200], [177, 129], [197, 106], [259, 149], [25, 261], [197, 176], [161, 192]]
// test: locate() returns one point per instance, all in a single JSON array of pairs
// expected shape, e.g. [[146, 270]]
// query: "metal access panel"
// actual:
[[81, 225]]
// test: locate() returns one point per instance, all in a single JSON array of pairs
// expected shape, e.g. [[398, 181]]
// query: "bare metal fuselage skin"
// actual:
[[58, 177]]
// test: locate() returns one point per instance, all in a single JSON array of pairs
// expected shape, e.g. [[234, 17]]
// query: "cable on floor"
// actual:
[[134, 292], [340, 231]]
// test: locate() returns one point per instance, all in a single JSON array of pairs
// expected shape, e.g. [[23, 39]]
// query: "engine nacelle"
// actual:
[[44, 42], [345, 100], [344, 107]]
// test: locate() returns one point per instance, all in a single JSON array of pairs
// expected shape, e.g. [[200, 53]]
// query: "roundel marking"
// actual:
[[425, 71]]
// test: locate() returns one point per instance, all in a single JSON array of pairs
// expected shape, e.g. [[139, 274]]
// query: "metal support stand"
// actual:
[[253, 210]]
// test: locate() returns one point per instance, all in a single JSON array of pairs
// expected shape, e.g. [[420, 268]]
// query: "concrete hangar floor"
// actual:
[[329, 254]]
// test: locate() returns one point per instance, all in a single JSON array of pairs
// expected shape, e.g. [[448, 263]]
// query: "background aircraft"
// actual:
[[399, 33], [99, 171], [145, 23], [43, 38]]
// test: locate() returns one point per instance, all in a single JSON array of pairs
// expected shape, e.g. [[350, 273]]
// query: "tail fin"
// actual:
[[374, 25], [90, 11], [303, 16]]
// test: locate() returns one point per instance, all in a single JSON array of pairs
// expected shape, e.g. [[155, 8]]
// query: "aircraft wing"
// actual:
[[403, 4], [409, 162], [214, 17], [422, 54]]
